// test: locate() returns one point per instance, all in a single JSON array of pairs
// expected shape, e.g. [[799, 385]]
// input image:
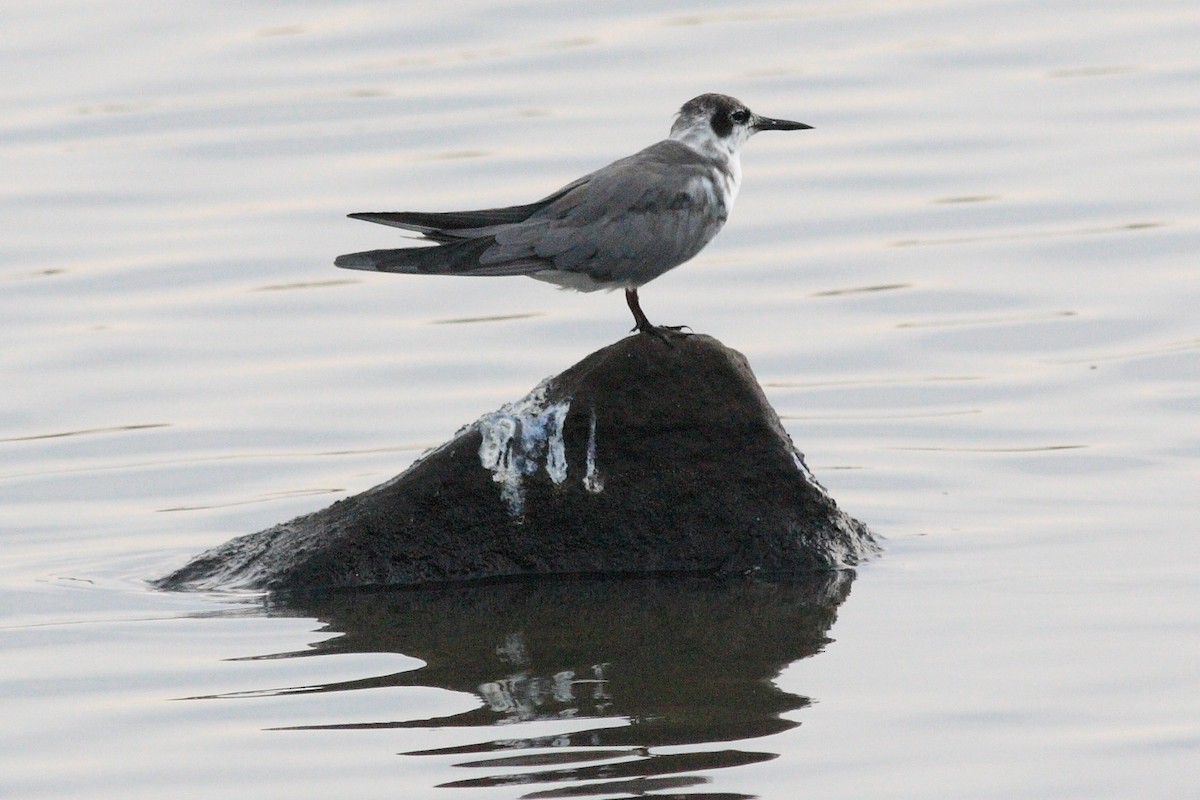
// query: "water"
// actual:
[[970, 291]]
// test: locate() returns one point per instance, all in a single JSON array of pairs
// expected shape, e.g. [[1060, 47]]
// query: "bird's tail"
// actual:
[[456, 258]]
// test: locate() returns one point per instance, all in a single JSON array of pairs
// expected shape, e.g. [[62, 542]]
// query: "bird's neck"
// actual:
[[723, 153], [707, 145]]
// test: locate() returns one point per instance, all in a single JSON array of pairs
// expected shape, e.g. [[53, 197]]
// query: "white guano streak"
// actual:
[[520, 438], [593, 481]]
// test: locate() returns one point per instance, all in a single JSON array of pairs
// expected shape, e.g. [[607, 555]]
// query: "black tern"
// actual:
[[616, 228]]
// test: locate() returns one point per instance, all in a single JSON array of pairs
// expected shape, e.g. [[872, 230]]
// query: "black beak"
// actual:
[[768, 124]]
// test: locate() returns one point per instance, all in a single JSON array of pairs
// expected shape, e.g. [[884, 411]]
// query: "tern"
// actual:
[[616, 228]]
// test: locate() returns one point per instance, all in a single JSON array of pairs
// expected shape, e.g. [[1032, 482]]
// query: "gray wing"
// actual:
[[624, 224], [463, 236], [447, 226]]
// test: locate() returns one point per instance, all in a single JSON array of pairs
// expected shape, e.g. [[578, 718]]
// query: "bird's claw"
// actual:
[[664, 333]]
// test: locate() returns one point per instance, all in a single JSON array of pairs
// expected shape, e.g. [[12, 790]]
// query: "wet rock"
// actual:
[[643, 457]]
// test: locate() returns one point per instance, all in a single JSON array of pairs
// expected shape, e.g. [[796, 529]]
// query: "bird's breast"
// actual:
[[731, 179], [718, 189]]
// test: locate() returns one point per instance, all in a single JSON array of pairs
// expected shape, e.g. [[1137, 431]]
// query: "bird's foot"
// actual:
[[664, 333]]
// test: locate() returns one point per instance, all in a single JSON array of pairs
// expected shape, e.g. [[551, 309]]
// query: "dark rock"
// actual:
[[643, 457]]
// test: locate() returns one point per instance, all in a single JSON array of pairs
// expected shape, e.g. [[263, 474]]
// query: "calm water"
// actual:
[[971, 292]]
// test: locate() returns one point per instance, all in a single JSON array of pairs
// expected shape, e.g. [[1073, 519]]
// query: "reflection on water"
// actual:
[[682, 661]]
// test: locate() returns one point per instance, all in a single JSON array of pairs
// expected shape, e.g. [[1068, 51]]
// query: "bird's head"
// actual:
[[718, 123]]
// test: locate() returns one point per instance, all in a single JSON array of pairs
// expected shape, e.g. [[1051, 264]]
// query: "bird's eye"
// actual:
[[741, 116]]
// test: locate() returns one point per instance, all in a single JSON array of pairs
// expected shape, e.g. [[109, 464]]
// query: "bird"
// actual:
[[616, 228]]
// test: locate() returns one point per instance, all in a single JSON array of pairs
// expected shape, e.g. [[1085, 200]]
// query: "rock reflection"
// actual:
[[682, 661]]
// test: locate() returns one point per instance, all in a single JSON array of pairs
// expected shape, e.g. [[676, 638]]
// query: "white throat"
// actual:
[[702, 139], [723, 152]]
